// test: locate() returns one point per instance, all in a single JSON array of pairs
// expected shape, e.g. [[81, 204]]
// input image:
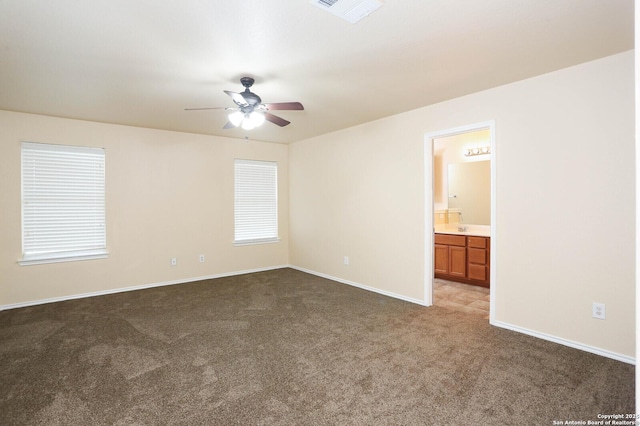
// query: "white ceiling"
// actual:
[[141, 62]]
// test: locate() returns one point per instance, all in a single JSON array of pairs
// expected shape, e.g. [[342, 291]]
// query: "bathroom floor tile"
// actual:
[[470, 299]]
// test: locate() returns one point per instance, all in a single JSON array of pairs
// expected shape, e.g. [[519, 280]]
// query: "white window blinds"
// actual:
[[256, 201], [63, 203]]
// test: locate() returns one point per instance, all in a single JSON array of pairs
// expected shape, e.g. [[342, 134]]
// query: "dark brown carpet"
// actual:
[[287, 348]]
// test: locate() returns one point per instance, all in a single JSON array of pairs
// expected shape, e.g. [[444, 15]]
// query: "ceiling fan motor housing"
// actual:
[[247, 81], [251, 98]]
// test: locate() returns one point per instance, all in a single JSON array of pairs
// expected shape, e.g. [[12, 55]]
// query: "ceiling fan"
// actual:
[[250, 112]]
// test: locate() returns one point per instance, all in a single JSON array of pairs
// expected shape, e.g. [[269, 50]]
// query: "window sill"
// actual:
[[40, 259], [257, 241]]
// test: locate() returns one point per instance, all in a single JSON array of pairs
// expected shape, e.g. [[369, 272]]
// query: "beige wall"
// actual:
[[168, 195], [565, 201]]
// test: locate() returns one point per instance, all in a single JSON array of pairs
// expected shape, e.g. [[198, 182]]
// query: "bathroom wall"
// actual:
[[450, 150]]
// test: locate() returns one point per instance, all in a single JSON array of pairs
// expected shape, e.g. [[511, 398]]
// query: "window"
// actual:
[[63, 203], [256, 201]]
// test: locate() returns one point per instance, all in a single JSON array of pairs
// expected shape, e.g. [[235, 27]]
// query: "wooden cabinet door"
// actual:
[[458, 261], [441, 259]]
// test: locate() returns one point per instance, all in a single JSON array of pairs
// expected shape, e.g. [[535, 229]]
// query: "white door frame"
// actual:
[[428, 209]]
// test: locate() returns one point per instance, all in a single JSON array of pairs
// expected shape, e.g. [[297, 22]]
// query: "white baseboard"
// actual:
[[137, 287], [362, 286], [565, 342]]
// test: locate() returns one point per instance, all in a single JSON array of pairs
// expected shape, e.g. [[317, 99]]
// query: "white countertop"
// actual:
[[471, 230]]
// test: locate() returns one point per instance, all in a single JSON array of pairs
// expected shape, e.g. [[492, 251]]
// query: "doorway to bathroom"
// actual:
[[460, 219]]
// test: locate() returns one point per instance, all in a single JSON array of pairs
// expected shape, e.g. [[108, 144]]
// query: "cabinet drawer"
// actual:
[[478, 272], [451, 240], [477, 242], [478, 256]]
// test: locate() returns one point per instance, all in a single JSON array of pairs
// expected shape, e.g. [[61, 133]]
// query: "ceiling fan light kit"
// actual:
[[246, 121], [251, 112]]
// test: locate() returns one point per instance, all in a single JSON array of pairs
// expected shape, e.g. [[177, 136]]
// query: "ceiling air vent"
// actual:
[[326, 3], [350, 10]]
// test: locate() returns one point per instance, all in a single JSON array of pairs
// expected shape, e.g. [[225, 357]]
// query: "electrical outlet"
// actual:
[[599, 310], [202, 258], [346, 260], [174, 261]]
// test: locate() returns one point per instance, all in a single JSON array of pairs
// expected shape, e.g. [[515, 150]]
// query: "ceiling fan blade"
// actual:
[[201, 109], [237, 98], [293, 106], [275, 119], [229, 125]]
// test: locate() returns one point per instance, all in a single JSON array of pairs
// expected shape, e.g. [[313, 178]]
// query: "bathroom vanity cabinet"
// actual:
[[462, 258]]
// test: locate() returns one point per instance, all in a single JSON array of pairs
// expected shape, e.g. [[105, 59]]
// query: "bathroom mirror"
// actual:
[[469, 186]]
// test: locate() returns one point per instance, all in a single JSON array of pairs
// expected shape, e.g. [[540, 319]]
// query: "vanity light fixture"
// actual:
[[470, 152]]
